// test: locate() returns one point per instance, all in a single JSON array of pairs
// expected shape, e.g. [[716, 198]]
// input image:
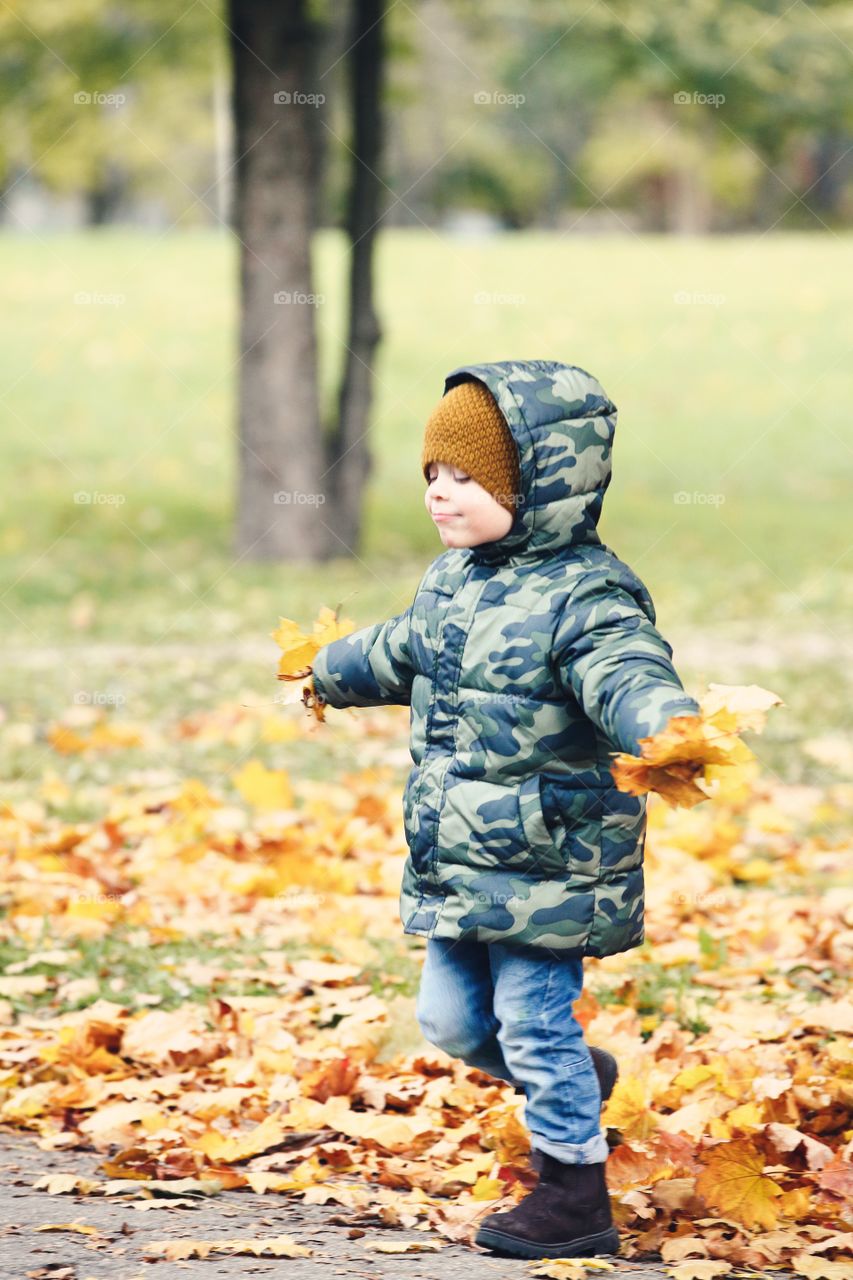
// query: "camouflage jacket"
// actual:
[[527, 663]]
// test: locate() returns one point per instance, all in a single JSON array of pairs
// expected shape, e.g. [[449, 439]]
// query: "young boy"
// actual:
[[529, 656]]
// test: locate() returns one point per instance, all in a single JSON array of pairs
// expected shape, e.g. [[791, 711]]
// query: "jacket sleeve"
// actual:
[[609, 654], [368, 668]]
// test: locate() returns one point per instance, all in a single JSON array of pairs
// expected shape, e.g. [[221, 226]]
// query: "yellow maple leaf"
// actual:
[[264, 788], [628, 1110], [487, 1188], [735, 1184], [696, 748], [299, 651], [220, 1146]]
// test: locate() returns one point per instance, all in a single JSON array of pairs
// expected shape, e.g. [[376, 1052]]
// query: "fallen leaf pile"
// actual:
[[288, 1062]]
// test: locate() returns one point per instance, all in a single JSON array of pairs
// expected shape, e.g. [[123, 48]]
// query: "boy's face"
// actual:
[[465, 513]]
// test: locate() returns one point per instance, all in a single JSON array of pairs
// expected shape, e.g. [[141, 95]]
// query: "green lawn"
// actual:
[[740, 391]]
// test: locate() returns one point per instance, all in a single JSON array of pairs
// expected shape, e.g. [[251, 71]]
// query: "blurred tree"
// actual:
[[644, 83], [300, 487], [111, 101], [349, 459]]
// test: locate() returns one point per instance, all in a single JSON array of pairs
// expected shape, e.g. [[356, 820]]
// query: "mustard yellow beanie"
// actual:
[[467, 430]]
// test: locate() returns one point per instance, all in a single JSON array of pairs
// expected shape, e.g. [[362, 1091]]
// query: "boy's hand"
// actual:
[[696, 749], [298, 650]]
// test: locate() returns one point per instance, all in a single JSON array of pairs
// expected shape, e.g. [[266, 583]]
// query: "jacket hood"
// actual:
[[563, 423]]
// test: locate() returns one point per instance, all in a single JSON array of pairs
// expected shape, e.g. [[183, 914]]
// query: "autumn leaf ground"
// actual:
[[200, 888], [204, 977]]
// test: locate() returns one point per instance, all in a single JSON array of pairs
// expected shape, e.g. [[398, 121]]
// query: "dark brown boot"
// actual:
[[567, 1215]]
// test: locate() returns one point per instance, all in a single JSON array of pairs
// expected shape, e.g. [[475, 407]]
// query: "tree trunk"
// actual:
[[280, 500], [831, 162], [105, 196], [349, 461]]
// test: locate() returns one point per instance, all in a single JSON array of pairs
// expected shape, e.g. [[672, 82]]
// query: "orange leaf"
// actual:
[[692, 748]]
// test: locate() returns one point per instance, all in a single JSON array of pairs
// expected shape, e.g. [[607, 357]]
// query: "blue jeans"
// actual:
[[508, 1011]]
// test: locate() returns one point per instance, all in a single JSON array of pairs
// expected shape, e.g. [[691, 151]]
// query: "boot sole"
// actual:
[[580, 1247]]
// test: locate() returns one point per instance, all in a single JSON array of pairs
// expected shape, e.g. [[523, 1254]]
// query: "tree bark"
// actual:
[[349, 460], [280, 500], [831, 164], [105, 196]]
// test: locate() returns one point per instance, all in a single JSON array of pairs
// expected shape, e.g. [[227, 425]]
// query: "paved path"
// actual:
[[125, 1232]]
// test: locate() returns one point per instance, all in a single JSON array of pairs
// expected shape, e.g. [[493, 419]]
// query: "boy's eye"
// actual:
[[433, 475]]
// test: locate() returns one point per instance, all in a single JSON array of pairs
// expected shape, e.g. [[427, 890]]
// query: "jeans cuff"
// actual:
[[591, 1152]]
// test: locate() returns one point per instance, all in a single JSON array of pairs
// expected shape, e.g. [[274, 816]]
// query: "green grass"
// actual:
[[746, 398], [126, 965]]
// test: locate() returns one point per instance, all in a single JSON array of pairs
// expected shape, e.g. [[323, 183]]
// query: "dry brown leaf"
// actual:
[[699, 1269], [58, 1184], [403, 1246], [269, 1247], [814, 1268]]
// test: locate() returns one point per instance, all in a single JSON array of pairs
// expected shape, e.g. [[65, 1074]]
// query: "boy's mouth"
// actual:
[[443, 515]]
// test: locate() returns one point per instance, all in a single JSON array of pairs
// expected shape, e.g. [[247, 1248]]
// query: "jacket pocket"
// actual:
[[562, 827], [623, 831]]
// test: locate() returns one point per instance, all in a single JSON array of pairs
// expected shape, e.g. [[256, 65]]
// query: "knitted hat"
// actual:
[[467, 430]]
